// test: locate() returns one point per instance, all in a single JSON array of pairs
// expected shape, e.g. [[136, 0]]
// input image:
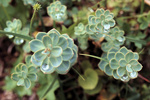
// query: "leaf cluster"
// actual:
[[57, 11], [121, 63], [24, 74], [53, 52]]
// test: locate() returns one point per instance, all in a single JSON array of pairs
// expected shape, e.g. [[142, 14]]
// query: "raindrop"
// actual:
[[19, 41], [45, 66], [120, 39], [125, 78], [10, 36], [133, 74], [106, 26]]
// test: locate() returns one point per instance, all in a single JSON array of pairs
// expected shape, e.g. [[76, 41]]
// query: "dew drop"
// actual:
[[133, 74], [10, 36], [125, 78], [19, 41], [45, 66], [106, 26], [120, 39]]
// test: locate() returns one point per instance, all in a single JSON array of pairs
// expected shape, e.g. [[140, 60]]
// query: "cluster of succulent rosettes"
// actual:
[[53, 52], [115, 38], [82, 36], [15, 27], [79, 29], [121, 64], [25, 73], [99, 25], [57, 11]]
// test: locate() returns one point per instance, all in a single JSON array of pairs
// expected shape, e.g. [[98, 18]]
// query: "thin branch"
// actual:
[[145, 79], [142, 7], [79, 74], [18, 35], [94, 57]]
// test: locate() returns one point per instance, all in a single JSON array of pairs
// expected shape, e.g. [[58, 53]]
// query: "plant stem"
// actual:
[[142, 7], [79, 74], [142, 77], [141, 51], [133, 16], [18, 35], [54, 24], [32, 21], [43, 27], [5, 11], [94, 57], [135, 40]]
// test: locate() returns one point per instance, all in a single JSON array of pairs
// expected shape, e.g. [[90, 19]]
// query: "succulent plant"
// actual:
[[99, 25], [15, 27], [82, 36], [25, 73], [53, 52], [80, 29], [121, 64], [32, 2], [57, 11], [115, 38]]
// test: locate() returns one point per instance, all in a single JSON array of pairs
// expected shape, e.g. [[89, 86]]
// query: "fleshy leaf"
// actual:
[[121, 71], [36, 45], [32, 76], [62, 42], [47, 41], [56, 51], [137, 67], [40, 35], [114, 64], [63, 68], [129, 56], [20, 82], [39, 56], [108, 70], [47, 67], [67, 54], [90, 76], [56, 61], [27, 83], [15, 77]]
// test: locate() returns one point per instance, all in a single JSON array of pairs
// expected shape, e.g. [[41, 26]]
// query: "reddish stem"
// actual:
[[145, 79]]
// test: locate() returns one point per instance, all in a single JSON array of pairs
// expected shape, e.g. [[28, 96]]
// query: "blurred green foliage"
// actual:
[[132, 31]]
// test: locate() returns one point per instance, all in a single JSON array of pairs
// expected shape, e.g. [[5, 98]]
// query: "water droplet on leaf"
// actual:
[[125, 78], [19, 41], [133, 74], [45, 66], [120, 39]]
